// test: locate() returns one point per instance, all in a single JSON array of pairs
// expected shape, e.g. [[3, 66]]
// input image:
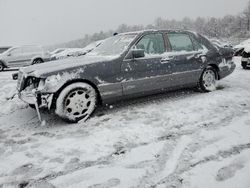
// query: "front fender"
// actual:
[[54, 83]]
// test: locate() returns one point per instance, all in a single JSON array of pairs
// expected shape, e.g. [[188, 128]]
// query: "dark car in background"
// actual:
[[239, 48], [245, 60], [127, 65]]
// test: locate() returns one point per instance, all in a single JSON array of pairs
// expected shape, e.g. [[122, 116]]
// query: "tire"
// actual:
[[32, 106], [244, 65], [37, 61], [76, 102], [207, 82], [1, 66]]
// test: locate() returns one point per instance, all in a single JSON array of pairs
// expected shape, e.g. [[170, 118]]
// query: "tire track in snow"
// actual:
[[173, 178]]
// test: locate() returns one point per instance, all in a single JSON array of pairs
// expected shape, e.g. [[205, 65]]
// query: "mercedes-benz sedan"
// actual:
[[126, 65]]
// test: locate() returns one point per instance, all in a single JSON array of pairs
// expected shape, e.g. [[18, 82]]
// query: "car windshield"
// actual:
[[113, 46]]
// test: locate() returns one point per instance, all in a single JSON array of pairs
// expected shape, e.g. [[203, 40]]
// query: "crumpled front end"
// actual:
[[30, 90]]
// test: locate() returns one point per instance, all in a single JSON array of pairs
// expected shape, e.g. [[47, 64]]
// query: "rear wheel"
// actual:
[[1, 66], [32, 106], [208, 80], [76, 102], [37, 61]]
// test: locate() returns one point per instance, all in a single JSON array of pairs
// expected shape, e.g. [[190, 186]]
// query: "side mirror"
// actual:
[[9, 54], [137, 53]]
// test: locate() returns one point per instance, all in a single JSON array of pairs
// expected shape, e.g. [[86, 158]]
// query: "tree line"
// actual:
[[229, 26]]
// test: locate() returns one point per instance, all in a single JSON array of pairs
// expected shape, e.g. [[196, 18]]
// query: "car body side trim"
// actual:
[[162, 76]]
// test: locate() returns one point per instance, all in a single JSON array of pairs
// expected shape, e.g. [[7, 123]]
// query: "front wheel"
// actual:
[[76, 102], [208, 80]]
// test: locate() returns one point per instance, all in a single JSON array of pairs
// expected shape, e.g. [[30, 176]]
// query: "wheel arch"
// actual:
[[36, 58], [216, 68], [57, 93]]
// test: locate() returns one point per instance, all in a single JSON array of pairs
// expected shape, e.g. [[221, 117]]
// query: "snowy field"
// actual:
[[179, 139]]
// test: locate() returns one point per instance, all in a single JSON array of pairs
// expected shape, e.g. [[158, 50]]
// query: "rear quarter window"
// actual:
[[196, 44]]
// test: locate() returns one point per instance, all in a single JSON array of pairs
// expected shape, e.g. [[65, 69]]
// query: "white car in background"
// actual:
[[239, 49], [57, 51], [74, 52], [21, 56], [221, 43]]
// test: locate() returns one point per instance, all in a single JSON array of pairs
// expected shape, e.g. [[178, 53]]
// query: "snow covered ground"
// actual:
[[179, 139]]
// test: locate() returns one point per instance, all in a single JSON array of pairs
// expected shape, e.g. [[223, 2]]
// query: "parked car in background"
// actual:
[[221, 43], [4, 48], [23, 56], [238, 49], [125, 66], [245, 60], [67, 52], [56, 51], [75, 52]]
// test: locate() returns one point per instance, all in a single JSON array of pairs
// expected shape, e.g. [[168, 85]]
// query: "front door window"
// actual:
[[152, 44]]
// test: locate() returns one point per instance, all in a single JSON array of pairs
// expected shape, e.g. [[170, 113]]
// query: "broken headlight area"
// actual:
[[31, 83], [32, 93]]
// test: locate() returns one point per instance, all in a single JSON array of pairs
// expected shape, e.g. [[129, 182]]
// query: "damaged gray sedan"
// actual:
[[126, 65]]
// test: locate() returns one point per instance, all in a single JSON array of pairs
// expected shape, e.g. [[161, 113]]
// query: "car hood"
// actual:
[[52, 67]]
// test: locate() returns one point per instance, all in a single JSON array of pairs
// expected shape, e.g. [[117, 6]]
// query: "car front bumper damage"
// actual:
[[33, 98], [36, 99]]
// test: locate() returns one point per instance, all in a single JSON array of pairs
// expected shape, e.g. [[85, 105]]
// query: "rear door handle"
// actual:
[[167, 59]]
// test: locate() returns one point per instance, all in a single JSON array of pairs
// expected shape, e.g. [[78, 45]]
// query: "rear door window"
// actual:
[[180, 42]]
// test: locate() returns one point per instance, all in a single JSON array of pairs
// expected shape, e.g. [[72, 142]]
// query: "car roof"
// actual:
[[23, 46], [156, 30]]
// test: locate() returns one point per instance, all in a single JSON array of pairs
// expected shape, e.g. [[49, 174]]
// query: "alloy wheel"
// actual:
[[209, 80]]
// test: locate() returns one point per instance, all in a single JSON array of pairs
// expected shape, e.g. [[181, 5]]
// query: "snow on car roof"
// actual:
[[157, 30]]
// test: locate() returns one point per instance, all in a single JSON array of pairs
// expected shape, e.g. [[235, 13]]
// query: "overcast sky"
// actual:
[[55, 21]]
